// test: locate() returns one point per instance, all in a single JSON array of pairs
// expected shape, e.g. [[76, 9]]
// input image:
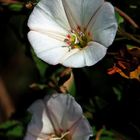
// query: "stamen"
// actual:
[[64, 134], [77, 38], [60, 138], [68, 36]]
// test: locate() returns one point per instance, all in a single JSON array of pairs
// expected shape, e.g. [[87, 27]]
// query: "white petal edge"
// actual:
[[40, 125], [104, 25], [53, 56], [74, 59], [87, 56], [82, 131], [48, 49], [49, 16], [106, 36], [93, 53]]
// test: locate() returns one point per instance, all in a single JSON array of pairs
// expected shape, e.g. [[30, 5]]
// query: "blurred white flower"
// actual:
[[74, 33], [57, 117]]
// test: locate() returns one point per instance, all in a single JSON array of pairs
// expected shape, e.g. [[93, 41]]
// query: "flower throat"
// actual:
[[78, 38]]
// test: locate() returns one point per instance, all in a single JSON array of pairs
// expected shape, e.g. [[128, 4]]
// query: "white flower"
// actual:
[[74, 33], [57, 117]]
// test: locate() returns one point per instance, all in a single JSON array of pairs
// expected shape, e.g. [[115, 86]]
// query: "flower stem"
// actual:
[[128, 18], [127, 35]]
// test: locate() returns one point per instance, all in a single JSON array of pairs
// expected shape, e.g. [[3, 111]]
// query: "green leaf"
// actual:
[[15, 132], [130, 46], [100, 102], [107, 132], [72, 89], [107, 135], [12, 128], [94, 131], [119, 18], [8, 124], [107, 138], [16, 7], [118, 92], [41, 66]]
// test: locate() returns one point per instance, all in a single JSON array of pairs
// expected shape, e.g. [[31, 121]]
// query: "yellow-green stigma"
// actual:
[[78, 38]]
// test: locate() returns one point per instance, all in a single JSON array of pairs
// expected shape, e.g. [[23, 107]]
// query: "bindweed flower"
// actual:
[[57, 117], [74, 33]]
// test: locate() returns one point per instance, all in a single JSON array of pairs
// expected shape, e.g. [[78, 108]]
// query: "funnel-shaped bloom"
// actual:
[[74, 33], [57, 117]]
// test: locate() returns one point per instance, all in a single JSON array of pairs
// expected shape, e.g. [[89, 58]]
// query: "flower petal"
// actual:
[[55, 114], [87, 56], [104, 26], [28, 136], [81, 11], [48, 49], [49, 16], [82, 131], [53, 56], [64, 111], [93, 53], [74, 59], [40, 125], [90, 8]]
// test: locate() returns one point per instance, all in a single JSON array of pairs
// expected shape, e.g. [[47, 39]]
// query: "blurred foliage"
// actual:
[[41, 66], [119, 18], [109, 92], [15, 7], [14, 129]]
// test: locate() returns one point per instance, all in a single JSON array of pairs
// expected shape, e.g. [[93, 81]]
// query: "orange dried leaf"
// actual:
[[135, 74]]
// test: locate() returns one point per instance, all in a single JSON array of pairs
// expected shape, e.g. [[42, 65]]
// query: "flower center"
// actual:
[[62, 137], [78, 38]]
